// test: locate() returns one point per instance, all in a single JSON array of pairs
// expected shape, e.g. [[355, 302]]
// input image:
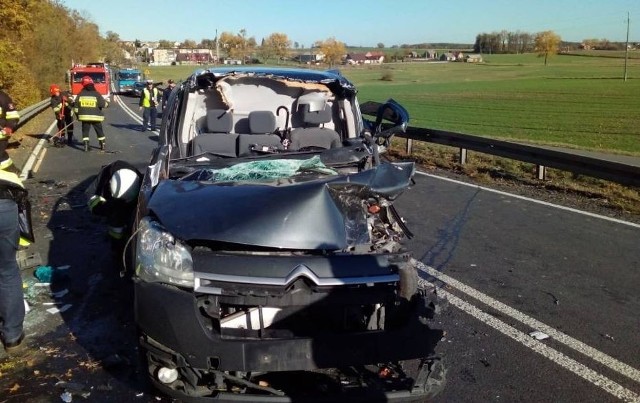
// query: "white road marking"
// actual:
[[39, 162], [24, 174], [126, 109], [539, 347], [573, 210], [610, 362]]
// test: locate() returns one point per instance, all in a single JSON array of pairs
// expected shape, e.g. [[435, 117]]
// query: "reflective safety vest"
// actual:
[[60, 105], [88, 106], [11, 187], [147, 98]]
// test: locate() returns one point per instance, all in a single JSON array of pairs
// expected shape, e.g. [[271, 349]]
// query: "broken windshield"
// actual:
[[262, 170]]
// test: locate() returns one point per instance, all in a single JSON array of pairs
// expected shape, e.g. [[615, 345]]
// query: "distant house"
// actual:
[[448, 57], [459, 56], [365, 58], [473, 58], [431, 54], [356, 58], [309, 58], [194, 56], [164, 56]]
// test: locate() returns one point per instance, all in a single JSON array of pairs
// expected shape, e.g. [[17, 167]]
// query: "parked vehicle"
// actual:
[[136, 88], [127, 79], [267, 250], [100, 73]]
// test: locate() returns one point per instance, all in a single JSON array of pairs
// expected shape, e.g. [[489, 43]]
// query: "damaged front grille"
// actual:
[[309, 300]]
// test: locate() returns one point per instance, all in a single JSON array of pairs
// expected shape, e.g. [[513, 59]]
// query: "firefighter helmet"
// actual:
[[124, 184], [53, 89], [86, 80]]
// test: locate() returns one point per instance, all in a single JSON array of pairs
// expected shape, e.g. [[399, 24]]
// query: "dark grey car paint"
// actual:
[[307, 215]]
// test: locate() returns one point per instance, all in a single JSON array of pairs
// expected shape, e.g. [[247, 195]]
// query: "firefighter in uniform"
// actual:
[[15, 230], [114, 194], [148, 105], [9, 118], [88, 107], [61, 106]]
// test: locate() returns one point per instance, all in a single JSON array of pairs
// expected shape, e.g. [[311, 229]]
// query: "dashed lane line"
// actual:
[[596, 355], [557, 357]]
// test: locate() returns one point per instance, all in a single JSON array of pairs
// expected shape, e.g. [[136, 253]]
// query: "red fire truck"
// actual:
[[100, 74]]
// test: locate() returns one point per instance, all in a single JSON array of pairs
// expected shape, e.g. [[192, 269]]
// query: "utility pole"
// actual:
[[217, 48], [626, 49]]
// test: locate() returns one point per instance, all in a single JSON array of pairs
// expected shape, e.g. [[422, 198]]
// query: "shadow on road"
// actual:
[[80, 333]]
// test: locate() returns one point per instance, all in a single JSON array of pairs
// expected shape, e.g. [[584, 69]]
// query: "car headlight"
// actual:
[[162, 258]]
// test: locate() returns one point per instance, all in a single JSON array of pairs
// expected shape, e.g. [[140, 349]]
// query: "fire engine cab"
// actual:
[[99, 73]]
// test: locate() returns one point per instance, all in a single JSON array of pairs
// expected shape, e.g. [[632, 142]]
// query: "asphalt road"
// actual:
[[506, 266]]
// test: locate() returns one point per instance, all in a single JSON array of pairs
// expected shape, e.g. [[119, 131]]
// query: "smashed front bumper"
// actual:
[[176, 333]]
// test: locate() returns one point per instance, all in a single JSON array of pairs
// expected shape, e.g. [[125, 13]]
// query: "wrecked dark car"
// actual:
[[268, 256]]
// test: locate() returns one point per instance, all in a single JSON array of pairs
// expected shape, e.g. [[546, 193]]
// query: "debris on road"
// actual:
[[27, 260], [55, 310], [538, 335]]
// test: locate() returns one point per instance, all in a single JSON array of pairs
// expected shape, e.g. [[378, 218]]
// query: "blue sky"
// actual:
[[362, 22]]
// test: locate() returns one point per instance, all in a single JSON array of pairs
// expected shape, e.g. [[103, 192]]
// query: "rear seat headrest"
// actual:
[[219, 121], [316, 117], [261, 122]]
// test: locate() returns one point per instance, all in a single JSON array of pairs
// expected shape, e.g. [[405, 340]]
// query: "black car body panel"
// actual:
[[203, 347]]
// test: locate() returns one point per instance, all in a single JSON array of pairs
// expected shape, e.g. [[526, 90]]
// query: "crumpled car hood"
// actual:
[[306, 215]]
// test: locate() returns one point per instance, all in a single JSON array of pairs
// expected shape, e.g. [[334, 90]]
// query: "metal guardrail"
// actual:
[[32, 110], [541, 157]]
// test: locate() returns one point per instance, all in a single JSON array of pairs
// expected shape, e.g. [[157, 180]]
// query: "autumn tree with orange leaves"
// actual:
[[38, 41]]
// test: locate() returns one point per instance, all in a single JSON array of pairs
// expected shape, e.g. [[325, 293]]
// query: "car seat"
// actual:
[[313, 133]]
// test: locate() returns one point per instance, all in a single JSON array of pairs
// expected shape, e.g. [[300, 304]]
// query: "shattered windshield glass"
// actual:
[[262, 170]]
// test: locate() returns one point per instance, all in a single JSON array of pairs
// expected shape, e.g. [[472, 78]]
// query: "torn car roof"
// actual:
[[333, 79]]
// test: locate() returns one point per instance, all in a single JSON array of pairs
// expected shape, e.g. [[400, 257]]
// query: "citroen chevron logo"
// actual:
[[302, 271]]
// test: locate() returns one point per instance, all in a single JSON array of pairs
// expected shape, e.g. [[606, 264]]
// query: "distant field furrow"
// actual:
[[575, 101], [578, 101]]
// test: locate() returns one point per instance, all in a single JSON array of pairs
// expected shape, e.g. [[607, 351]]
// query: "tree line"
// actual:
[[277, 46], [523, 42], [39, 40]]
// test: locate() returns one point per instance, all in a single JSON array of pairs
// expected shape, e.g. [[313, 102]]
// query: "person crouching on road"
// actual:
[[9, 118], [148, 105], [114, 195], [88, 107], [61, 106]]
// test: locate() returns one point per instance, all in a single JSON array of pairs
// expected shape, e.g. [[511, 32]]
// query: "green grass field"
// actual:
[[578, 101]]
